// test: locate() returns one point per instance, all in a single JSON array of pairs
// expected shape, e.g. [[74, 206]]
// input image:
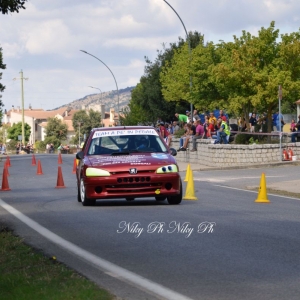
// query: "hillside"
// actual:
[[110, 99]]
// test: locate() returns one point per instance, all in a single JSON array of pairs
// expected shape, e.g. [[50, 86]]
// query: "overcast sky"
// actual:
[[44, 40]]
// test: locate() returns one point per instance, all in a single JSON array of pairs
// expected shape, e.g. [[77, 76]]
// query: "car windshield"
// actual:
[[125, 144]]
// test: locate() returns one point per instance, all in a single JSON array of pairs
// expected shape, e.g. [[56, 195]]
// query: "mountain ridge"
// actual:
[[109, 99]]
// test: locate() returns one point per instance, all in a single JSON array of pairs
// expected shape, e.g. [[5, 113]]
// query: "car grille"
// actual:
[[133, 184]]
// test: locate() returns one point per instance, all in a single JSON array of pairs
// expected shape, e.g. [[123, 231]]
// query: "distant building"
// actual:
[[37, 119]]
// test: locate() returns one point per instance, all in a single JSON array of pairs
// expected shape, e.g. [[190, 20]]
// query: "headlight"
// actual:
[[167, 169], [93, 172]]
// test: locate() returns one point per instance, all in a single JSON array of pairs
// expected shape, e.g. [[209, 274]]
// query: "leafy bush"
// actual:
[[52, 140], [179, 133], [243, 138], [11, 145], [40, 145]]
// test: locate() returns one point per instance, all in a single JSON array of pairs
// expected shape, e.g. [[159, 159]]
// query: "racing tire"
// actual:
[[84, 200], [160, 198], [176, 199], [78, 194]]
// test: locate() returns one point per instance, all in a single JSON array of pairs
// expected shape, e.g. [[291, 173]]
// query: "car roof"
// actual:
[[122, 127]]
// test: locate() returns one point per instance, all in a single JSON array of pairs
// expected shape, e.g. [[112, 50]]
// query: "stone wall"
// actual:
[[214, 155]]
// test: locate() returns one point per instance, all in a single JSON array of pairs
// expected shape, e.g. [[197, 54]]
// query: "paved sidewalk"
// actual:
[[290, 186]]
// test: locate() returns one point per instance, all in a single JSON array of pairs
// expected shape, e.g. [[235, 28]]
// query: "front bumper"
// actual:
[[135, 186]]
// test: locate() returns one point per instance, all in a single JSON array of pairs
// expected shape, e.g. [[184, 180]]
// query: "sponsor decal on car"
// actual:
[[100, 133], [159, 155]]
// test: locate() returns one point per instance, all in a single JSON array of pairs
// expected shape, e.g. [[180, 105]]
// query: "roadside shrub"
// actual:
[[11, 145], [52, 140], [246, 139], [179, 133], [40, 146], [242, 138]]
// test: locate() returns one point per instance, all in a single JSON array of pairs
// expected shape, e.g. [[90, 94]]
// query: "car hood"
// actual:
[[148, 160]]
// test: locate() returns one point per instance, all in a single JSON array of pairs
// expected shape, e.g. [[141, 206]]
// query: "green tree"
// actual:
[[16, 130], [56, 128], [241, 76], [2, 87], [253, 69], [176, 73], [148, 93], [11, 6], [3, 132], [87, 120]]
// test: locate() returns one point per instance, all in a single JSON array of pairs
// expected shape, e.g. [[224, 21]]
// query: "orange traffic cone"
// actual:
[[190, 191], [74, 166], [5, 186], [33, 161], [6, 167], [59, 158], [262, 191], [39, 168], [8, 161], [60, 181]]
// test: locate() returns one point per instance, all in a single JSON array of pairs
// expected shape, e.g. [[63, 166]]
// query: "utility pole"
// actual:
[[279, 117], [22, 99]]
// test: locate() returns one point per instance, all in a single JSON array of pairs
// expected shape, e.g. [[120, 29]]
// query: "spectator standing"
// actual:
[[3, 149], [175, 127], [297, 130], [293, 127], [196, 115], [182, 119], [199, 134], [222, 115], [164, 133], [60, 147], [212, 117], [18, 148], [279, 122], [252, 122]]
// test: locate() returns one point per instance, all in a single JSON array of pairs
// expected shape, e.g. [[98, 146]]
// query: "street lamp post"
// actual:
[[111, 74], [99, 90], [79, 123], [22, 100], [190, 51]]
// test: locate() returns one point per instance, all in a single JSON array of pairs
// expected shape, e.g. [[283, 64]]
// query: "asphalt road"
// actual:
[[223, 246]]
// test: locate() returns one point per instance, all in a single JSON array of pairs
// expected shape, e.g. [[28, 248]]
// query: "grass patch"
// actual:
[[28, 274]]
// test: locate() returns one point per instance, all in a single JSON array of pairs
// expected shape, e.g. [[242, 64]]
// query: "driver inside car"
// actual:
[[141, 143]]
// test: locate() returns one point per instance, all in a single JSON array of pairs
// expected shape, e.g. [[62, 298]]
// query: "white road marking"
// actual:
[[233, 188], [108, 267]]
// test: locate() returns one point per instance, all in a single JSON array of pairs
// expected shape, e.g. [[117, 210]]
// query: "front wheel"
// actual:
[[84, 200], [176, 199], [78, 194]]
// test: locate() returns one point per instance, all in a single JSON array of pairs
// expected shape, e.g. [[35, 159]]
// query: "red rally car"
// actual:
[[127, 162]]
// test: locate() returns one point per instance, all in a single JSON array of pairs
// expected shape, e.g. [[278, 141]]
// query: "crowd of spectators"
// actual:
[[215, 126], [196, 127], [28, 148]]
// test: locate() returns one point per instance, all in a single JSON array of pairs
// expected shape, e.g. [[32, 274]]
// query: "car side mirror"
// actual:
[[80, 155], [173, 152]]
